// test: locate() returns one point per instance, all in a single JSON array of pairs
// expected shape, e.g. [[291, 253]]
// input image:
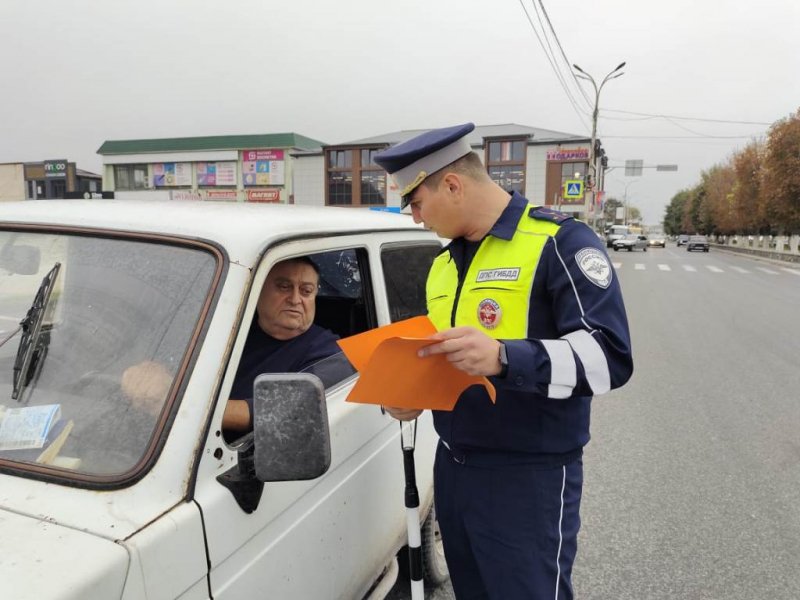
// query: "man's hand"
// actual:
[[146, 384], [467, 349], [403, 414]]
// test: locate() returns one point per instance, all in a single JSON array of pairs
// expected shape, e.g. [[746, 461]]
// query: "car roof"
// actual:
[[242, 228]]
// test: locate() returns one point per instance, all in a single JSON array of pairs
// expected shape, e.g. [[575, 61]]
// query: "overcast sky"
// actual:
[[76, 73]]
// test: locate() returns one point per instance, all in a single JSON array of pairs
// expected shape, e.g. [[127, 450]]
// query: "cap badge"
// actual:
[[594, 264], [489, 313]]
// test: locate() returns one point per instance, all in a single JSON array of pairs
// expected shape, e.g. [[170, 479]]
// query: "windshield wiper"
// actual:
[[30, 353]]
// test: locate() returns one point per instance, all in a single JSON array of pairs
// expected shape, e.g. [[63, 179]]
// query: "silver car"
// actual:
[[631, 242]]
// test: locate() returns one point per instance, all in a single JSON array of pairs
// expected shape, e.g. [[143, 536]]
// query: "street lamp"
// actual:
[[592, 159], [625, 202]]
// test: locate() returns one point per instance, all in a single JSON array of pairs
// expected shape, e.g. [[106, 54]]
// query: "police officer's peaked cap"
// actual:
[[410, 162]]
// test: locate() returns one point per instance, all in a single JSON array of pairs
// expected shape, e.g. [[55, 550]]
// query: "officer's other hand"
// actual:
[[403, 414], [467, 349]]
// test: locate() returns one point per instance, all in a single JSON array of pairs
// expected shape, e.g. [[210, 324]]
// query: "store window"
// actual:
[[130, 177], [353, 178], [573, 171], [505, 162]]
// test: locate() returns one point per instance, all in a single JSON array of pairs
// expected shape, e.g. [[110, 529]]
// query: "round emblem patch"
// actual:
[[489, 313], [594, 264]]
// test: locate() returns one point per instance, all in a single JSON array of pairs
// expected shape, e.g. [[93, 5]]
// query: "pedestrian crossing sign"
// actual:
[[573, 188]]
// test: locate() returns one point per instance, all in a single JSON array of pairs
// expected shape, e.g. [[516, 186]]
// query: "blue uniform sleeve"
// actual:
[[588, 351]]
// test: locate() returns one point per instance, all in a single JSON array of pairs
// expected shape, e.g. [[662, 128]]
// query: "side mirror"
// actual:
[[20, 259], [290, 427]]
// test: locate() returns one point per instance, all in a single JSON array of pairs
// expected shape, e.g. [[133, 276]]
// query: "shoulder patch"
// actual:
[[595, 266], [543, 213]]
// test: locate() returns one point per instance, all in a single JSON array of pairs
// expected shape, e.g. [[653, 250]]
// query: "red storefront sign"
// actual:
[[252, 155], [263, 195]]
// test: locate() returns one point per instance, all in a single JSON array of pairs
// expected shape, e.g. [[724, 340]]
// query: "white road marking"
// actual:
[[639, 267], [664, 267], [740, 269], [689, 268], [792, 271], [617, 265], [767, 271], [714, 269]]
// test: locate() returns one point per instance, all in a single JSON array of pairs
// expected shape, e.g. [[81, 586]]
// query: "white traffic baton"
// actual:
[[412, 515]]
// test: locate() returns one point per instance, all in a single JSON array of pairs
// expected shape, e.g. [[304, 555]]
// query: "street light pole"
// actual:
[[625, 202], [592, 158]]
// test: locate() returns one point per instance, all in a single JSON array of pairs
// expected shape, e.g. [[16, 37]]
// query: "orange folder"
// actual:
[[391, 373]]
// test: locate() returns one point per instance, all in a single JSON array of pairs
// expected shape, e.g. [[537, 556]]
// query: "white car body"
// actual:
[[172, 530]]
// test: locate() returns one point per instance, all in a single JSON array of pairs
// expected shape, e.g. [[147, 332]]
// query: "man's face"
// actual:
[[286, 305], [435, 208]]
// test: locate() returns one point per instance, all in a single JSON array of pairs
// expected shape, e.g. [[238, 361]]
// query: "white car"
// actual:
[[630, 243], [152, 501]]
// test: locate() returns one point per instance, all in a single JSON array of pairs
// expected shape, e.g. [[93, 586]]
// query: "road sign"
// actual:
[[633, 168], [573, 188]]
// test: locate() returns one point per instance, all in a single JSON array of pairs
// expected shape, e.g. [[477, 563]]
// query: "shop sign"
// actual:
[[263, 195], [221, 195], [252, 155], [55, 168], [184, 195], [571, 154], [263, 167]]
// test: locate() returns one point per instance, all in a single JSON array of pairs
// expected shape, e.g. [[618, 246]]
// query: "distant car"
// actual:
[[682, 239], [657, 241], [630, 243], [697, 242]]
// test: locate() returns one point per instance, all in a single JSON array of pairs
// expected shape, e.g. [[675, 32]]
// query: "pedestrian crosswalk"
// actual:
[[776, 270]]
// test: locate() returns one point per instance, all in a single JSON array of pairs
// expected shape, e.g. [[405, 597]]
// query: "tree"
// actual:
[[673, 215], [747, 202], [781, 175], [717, 214], [610, 210]]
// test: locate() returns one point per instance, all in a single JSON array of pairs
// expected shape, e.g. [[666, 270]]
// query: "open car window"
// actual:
[[119, 311]]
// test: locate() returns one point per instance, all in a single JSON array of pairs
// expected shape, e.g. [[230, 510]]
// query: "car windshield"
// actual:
[[697, 238], [75, 313]]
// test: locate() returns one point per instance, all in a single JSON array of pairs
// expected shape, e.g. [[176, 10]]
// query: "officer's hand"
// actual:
[[468, 349], [403, 414]]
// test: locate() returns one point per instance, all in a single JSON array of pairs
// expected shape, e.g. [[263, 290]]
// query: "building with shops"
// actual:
[[542, 164], [535, 162], [243, 168], [49, 179]]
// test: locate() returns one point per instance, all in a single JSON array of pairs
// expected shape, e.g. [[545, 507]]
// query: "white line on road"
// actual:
[[740, 269], [689, 268], [664, 267], [714, 269], [792, 271], [639, 267], [617, 265], [767, 271]]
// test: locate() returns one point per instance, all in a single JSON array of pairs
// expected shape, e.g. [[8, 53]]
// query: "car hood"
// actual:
[[41, 560]]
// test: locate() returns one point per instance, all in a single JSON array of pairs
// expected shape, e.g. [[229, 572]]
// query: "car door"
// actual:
[[332, 536]]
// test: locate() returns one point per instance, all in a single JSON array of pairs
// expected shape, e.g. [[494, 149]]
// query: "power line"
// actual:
[[649, 115], [553, 66], [680, 137], [564, 55]]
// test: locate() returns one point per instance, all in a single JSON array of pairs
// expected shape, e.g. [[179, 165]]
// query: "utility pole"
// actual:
[[592, 179]]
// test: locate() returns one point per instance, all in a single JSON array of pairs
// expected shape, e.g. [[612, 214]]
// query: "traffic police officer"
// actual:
[[527, 296]]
